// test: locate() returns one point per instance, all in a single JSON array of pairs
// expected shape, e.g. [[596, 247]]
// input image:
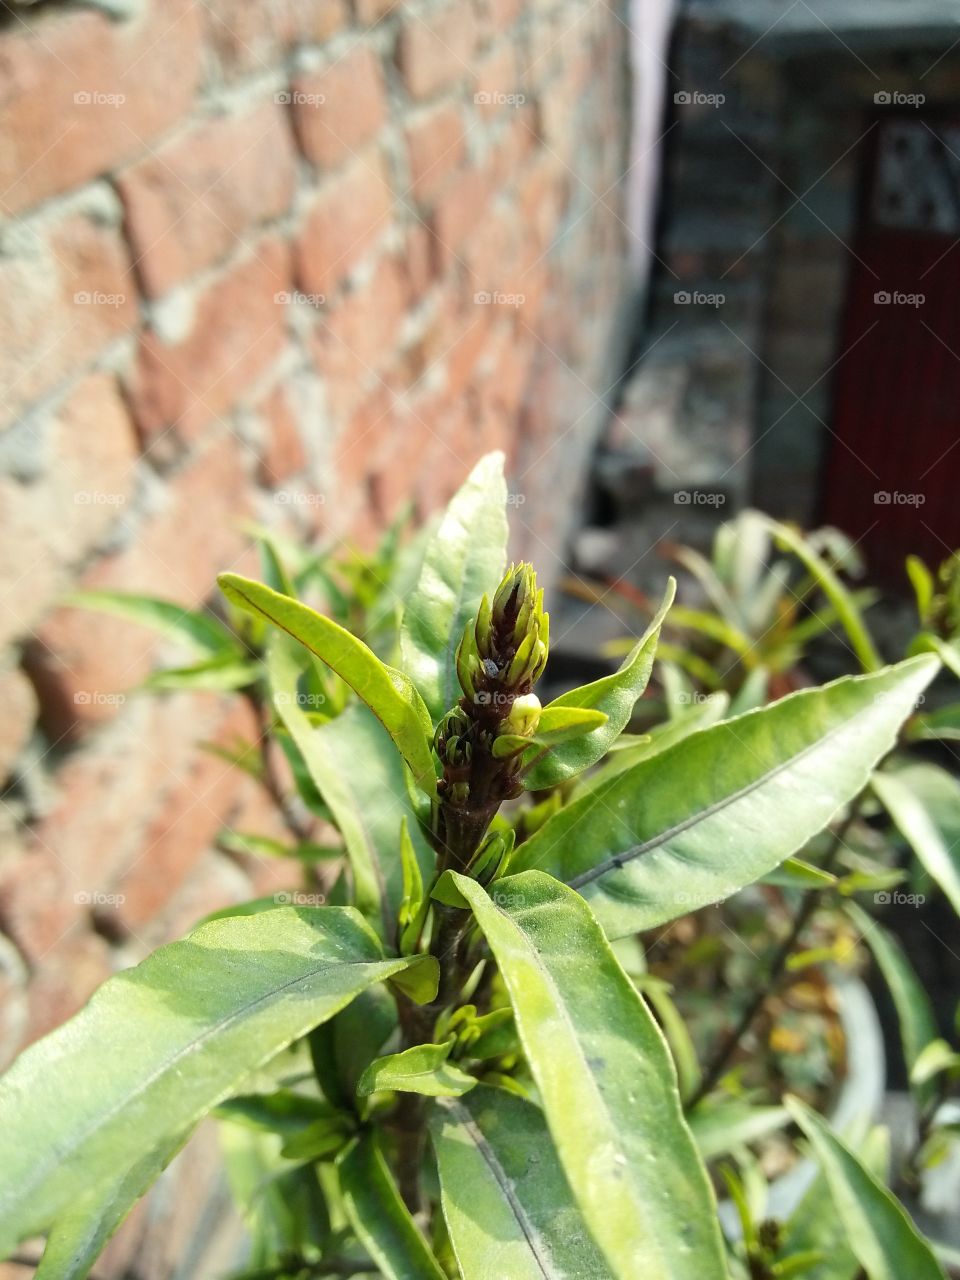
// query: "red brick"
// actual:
[[495, 86], [194, 808], [19, 704], [466, 349], [238, 330], [214, 882], [503, 13], [283, 450], [418, 260], [249, 36], [436, 51], [435, 145], [370, 11], [358, 336], [351, 213], [195, 200], [64, 981], [66, 292], [340, 108], [459, 209], [51, 523], [55, 141], [85, 662], [368, 436]]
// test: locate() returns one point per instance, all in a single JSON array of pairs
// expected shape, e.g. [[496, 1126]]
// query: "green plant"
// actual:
[[449, 1070]]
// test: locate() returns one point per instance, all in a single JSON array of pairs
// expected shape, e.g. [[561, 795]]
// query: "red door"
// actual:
[[893, 470]]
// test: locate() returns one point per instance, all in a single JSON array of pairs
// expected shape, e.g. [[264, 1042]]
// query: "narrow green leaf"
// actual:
[[607, 1082], [794, 873], [924, 803], [464, 558], [949, 654], [506, 1201], [915, 1016], [942, 724], [353, 765], [720, 1125], [83, 1229], [839, 596], [220, 675], [933, 1059], [423, 1069], [161, 1044], [380, 1218], [388, 693], [921, 579], [205, 632], [881, 1235], [725, 806], [615, 696]]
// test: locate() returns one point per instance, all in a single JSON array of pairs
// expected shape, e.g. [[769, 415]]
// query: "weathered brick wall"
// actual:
[[289, 260]]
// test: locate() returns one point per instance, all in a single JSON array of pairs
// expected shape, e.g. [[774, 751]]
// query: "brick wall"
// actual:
[[289, 260]]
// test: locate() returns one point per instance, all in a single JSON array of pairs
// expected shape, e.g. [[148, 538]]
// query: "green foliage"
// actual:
[[450, 1070]]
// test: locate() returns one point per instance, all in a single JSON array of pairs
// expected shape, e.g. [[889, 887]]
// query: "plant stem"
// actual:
[[810, 902]]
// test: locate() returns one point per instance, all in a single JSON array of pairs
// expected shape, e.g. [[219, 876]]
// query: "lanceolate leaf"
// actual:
[[918, 1025], [356, 770], [161, 1044], [82, 1231], [724, 807], [203, 631], [464, 558], [222, 673], [421, 1069], [608, 1085], [885, 1241], [379, 1217], [924, 802], [614, 695], [506, 1200], [388, 693]]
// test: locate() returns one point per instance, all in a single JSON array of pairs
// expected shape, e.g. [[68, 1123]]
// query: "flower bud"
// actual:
[[524, 716]]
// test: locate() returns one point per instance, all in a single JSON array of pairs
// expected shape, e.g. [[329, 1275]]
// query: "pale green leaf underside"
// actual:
[[464, 558], [379, 1216], [724, 807], [506, 1200], [924, 802], [388, 693], [159, 1045], [606, 1079], [201, 630], [614, 695], [885, 1241], [424, 1069]]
